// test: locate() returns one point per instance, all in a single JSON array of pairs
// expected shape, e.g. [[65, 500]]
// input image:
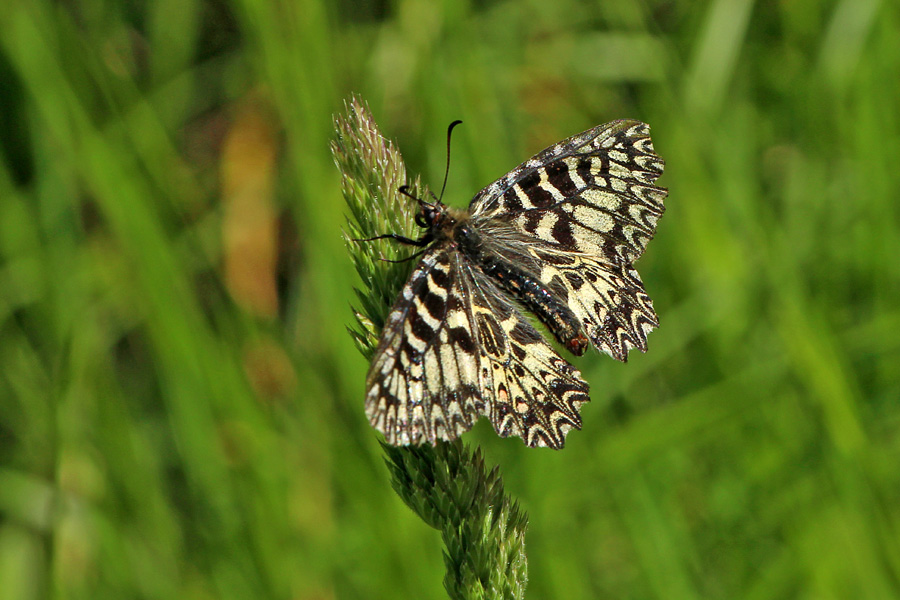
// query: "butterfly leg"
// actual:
[[403, 260], [421, 242]]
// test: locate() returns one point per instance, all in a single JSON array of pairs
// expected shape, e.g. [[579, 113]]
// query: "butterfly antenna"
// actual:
[[447, 169]]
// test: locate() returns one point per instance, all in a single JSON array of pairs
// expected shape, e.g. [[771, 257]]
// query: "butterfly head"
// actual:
[[431, 214]]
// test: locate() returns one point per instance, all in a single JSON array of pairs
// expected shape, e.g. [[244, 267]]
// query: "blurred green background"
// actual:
[[181, 410]]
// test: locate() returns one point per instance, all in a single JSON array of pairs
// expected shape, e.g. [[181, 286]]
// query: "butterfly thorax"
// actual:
[[457, 227]]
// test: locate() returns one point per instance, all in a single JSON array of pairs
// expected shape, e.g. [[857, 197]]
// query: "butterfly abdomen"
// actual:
[[526, 288]]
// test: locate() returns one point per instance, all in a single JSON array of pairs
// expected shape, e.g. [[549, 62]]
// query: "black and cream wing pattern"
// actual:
[[556, 237]]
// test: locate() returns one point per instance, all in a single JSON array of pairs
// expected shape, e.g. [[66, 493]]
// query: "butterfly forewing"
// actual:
[[558, 234], [423, 384], [591, 193]]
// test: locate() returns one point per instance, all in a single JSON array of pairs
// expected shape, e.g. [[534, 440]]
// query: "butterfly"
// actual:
[[557, 236]]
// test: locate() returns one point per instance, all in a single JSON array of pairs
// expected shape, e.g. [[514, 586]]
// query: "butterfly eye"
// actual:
[[428, 215]]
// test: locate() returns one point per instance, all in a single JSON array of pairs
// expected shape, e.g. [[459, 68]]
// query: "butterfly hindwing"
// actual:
[[534, 393], [608, 298], [455, 348]]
